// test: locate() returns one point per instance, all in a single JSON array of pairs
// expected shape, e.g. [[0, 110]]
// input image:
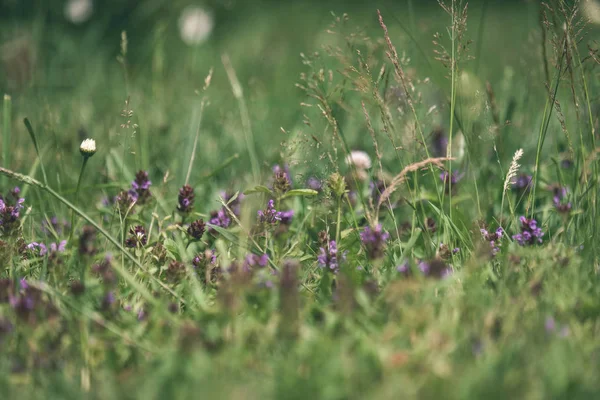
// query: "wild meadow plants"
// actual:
[[423, 232]]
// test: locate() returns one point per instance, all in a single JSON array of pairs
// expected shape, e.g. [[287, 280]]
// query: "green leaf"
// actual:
[[259, 189], [300, 192]]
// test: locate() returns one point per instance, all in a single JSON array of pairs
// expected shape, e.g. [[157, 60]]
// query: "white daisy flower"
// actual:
[[78, 11], [88, 147], [195, 25]]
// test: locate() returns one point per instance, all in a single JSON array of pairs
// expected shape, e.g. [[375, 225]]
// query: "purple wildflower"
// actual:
[[314, 184], [10, 211], [140, 187], [404, 268], [269, 216], [377, 188], [185, 199], [286, 217], [285, 170], [328, 257], [196, 229], [522, 182], [124, 202], [253, 260], [530, 232], [54, 226], [493, 238], [220, 218], [560, 200], [374, 241], [137, 237]]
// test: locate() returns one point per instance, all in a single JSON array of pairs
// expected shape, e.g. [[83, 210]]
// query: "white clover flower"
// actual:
[[195, 25], [78, 11], [359, 159], [88, 147]]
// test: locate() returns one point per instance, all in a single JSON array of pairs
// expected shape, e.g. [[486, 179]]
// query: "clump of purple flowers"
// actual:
[[374, 240], [10, 208], [137, 237], [185, 199], [140, 188], [450, 180], [269, 216], [42, 249], [328, 257], [530, 232]]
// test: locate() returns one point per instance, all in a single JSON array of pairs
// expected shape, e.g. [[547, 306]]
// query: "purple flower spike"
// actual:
[[328, 257], [269, 216]]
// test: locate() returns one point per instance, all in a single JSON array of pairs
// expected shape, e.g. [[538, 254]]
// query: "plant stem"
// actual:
[[85, 160]]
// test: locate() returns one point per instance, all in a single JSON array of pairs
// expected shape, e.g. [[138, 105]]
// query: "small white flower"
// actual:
[[78, 11], [88, 147], [359, 159], [195, 25]]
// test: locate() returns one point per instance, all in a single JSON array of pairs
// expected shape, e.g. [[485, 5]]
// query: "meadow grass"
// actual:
[[393, 203]]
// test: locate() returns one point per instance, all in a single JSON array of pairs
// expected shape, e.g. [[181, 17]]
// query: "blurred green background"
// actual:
[[59, 63]]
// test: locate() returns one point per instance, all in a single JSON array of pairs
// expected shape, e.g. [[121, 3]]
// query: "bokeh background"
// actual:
[[59, 61]]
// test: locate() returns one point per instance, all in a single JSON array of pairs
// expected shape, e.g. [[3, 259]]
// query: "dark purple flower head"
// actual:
[[561, 203], [196, 229], [439, 143], [185, 199], [566, 163], [451, 181], [522, 182], [374, 241], [281, 182], [124, 201], [140, 187], [530, 232], [86, 241], [328, 257], [10, 208], [493, 238], [137, 238], [269, 216], [285, 170]]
